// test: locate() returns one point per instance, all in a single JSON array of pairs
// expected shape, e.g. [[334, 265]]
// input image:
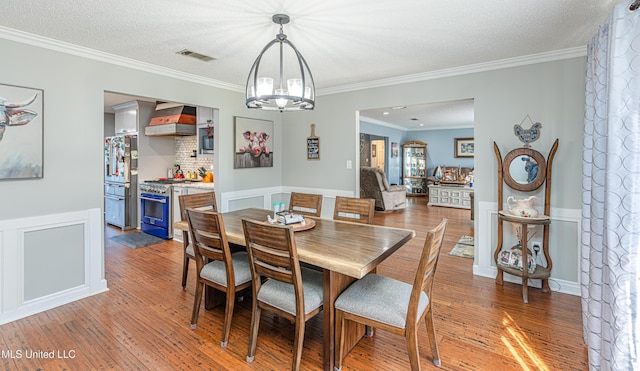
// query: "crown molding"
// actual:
[[84, 52], [463, 70], [80, 51], [373, 121], [381, 123]]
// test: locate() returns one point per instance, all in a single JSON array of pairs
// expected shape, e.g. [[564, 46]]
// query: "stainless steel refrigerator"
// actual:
[[121, 181]]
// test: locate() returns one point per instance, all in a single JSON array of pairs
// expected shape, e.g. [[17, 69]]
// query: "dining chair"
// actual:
[[395, 306], [290, 291], [200, 201], [359, 210], [216, 266], [306, 203]]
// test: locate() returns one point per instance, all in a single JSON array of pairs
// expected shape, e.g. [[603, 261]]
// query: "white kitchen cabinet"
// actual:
[[450, 196], [126, 117], [186, 189], [177, 191], [206, 125]]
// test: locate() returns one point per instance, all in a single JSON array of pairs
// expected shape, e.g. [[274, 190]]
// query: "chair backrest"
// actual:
[[209, 239], [306, 203], [200, 201], [426, 268], [359, 210], [273, 254]]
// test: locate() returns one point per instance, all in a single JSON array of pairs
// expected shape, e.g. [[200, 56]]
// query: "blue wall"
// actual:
[[440, 147]]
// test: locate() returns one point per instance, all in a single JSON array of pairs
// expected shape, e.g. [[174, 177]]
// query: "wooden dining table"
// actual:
[[345, 251]]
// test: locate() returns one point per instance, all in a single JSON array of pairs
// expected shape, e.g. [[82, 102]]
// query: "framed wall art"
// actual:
[[394, 149], [253, 143], [463, 147], [21, 132]]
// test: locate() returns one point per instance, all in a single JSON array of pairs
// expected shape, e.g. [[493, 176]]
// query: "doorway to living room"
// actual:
[[438, 124]]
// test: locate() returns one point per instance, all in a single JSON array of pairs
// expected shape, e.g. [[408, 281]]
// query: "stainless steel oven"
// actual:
[[156, 215]]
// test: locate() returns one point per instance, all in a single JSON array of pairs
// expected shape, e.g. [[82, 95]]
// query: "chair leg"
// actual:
[[185, 259], [253, 333], [431, 332], [228, 314], [339, 318], [297, 342], [196, 305], [185, 271], [412, 346]]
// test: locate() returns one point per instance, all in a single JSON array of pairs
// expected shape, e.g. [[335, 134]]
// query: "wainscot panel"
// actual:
[[73, 252]]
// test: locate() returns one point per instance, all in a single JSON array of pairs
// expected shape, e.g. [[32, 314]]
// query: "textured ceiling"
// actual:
[[346, 43]]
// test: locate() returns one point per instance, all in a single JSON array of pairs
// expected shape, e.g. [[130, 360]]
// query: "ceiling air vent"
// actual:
[[192, 54]]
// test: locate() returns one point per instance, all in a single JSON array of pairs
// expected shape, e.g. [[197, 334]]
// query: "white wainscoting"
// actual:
[[264, 197], [13, 305], [565, 255]]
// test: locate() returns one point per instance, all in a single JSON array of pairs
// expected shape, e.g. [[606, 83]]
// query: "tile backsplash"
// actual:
[[185, 147]]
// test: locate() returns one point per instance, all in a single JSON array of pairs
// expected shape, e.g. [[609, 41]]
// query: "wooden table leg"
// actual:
[[334, 284], [212, 297]]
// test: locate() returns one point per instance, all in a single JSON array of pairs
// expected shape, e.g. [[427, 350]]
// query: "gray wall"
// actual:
[[551, 93], [74, 127]]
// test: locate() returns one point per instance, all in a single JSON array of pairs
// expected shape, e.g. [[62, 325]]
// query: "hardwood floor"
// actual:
[[142, 322]]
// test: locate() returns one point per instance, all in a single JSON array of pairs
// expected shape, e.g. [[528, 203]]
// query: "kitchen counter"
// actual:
[[200, 185]]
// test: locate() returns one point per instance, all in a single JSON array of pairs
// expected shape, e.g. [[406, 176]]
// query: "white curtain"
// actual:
[[610, 261]]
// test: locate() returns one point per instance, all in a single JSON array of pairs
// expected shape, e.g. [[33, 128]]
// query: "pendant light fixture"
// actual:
[[282, 82]]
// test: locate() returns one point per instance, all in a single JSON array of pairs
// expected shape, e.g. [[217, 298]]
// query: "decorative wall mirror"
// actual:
[[524, 169]]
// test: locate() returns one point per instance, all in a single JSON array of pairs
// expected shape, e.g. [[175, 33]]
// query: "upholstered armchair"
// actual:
[[373, 184]]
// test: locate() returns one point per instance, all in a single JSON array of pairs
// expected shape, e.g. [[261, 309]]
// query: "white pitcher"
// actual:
[[523, 208]]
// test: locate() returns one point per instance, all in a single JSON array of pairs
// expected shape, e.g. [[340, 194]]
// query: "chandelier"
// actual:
[[281, 90]]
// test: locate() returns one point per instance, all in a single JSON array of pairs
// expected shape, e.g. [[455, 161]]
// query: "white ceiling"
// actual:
[[347, 44]]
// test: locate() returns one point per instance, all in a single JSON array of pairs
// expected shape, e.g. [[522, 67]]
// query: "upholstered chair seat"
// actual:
[[189, 250], [216, 271], [282, 296], [380, 298]]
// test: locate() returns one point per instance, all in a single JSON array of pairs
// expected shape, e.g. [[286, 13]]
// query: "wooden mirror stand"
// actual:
[[525, 170]]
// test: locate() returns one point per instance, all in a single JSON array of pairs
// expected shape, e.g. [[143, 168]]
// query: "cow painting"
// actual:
[[21, 132], [12, 114], [253, 143]]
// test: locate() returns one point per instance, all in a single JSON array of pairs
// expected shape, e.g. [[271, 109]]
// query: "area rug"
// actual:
[[136, 239], [464, 247]]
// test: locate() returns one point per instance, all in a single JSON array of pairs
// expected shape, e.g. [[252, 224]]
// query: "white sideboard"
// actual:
[[450, 196]]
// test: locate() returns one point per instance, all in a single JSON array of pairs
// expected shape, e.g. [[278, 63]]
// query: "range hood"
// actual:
[[172, 120]]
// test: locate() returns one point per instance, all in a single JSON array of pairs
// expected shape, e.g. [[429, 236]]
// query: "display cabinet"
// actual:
[[414, 169], [516, 172]]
